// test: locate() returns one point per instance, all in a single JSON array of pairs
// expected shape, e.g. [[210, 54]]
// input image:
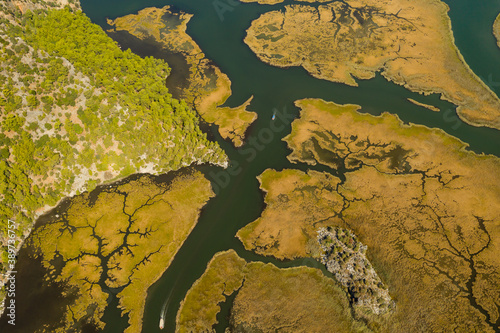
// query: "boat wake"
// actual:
[[164, 309]]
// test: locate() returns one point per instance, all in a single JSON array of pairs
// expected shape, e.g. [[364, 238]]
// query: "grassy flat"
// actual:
[[124, 238], [410, 43], [426, 208], [223, 276], [267, 299], [298, 204]]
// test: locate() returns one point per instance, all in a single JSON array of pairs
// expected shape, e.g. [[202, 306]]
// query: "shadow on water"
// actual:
[[179, 68], [239, 200], [37, 303]]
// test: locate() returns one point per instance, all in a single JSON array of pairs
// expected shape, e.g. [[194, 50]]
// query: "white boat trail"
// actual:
[[164, 308]]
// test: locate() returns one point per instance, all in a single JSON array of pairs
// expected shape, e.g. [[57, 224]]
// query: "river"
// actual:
[[239, 200]]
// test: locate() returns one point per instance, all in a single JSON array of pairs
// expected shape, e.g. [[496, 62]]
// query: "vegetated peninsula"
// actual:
[[409, 42], [425, 207], [273, 2], [77, 111], [496, 29], [263, 2], [208, 87], [427, 106], [119, 237], [268, 299]]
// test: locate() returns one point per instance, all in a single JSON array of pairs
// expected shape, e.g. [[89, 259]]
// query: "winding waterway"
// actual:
[[239, 200]]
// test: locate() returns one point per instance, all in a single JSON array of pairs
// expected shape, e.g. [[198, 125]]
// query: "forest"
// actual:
[[77, 111]]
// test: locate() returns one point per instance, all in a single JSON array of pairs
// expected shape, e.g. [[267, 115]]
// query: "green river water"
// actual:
[[239, 200]]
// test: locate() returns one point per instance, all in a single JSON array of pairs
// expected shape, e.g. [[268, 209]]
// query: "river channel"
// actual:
[[239, 200]]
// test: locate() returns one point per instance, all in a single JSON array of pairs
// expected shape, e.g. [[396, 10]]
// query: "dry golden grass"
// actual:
[[338, 136], [232, 122], [410, 42], [299, 299], [223, 276], [298, 205], [427, 243], [427, 106], [427, 209], [268, 299], [138, 227], [208, 88]]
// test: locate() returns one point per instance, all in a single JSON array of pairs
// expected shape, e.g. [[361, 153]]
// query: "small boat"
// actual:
[[274, 116], [162, 323]]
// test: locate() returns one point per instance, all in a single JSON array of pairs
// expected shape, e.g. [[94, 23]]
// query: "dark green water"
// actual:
[[474, 38], [239, 200]]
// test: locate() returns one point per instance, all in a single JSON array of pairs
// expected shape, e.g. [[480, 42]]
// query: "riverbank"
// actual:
[[68, 122], [412, 46], [496, 29], [411, 194], [116, 241], [208, 88], [301, 299]]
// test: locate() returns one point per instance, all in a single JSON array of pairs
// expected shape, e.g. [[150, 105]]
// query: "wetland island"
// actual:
[[170, 169], [409, 42]]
